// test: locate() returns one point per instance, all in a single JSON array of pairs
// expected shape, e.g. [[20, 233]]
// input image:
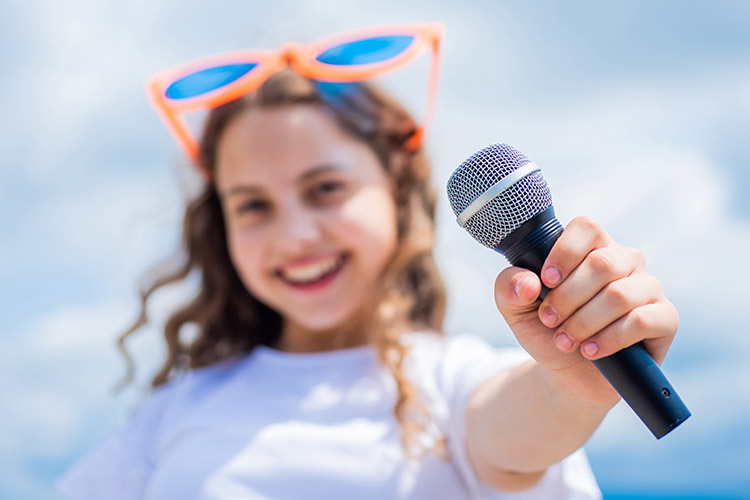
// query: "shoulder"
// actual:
[[176, 399], [450, 367], [458, 354], [186, 389], [191, 386]]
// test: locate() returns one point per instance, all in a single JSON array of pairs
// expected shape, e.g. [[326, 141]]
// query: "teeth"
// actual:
[[311, 272]]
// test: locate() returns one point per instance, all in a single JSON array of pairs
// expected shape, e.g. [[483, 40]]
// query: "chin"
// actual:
[[319, 325], [325, 322]]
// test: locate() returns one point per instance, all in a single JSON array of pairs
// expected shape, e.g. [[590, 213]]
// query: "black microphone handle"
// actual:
[[632, 371]]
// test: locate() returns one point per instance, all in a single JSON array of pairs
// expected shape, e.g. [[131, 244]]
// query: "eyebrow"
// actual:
[[309, 174], [241, 189], [321, 169]]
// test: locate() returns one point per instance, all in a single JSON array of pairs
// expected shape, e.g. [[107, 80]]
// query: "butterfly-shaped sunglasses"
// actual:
[[346, 57]]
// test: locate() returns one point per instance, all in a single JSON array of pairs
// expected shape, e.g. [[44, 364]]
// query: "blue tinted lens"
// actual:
[[207, 80], [367, 51], [337, 93]]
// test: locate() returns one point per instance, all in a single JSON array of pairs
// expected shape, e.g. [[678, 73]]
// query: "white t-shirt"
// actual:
[[275, 425]]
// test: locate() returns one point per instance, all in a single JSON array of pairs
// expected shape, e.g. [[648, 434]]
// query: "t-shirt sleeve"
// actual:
[[467, 362], [120, 467]]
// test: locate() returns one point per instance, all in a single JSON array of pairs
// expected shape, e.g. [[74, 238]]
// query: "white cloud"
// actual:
[[59, 370]]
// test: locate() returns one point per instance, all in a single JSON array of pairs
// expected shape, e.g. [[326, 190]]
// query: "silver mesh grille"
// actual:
[[506, 212]]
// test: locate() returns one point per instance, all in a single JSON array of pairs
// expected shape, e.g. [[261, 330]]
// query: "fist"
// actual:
[[601, 300]]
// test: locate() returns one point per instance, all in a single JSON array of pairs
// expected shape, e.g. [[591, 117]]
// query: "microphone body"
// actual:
[[518, 204]]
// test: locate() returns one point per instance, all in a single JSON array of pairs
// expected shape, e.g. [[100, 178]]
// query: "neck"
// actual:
[[362, 329], [298, 339]]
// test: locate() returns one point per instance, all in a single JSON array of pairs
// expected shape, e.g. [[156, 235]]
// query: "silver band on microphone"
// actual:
[[495, 190]]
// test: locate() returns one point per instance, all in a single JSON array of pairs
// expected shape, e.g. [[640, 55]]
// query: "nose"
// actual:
[[297, 229]]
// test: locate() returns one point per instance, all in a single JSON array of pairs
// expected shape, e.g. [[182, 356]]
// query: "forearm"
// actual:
[[521, 422]]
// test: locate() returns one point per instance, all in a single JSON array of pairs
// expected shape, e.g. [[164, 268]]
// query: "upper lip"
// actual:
[[308, 262]]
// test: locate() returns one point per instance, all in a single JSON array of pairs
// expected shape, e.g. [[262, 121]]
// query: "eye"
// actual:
[[252, 206], [327, 188]]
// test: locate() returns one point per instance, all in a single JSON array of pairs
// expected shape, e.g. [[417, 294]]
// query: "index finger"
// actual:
[[581, 236]]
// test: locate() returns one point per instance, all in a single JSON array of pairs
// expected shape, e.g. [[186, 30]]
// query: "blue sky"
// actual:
[[638, 113]]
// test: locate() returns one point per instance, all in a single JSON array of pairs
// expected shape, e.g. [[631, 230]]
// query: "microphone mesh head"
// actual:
[[510, 209]]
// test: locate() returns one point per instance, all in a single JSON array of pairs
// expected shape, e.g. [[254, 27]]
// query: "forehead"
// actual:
[[281, 144]]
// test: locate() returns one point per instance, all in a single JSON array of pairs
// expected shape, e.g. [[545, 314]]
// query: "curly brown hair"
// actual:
[[230, 322]]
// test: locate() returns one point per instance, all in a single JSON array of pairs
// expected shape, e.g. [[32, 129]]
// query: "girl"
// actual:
[[317, 368]]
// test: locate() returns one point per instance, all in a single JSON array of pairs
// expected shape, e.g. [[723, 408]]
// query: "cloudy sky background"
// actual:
[[638, 113]]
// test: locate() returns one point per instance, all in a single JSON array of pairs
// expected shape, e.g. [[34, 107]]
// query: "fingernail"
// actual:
[[563, 342], [549, 315], [590, 348], [552, 275], [518, 286]]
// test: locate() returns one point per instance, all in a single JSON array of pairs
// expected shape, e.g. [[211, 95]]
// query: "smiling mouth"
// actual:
[[314, 273]]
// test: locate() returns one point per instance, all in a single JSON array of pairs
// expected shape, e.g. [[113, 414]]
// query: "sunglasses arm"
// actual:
[[176, 126], [416, 140]]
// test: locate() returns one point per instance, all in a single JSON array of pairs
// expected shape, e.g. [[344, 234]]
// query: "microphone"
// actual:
[[500, 197]]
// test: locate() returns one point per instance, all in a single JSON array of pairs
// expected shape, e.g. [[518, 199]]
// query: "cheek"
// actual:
[[369, 221], [246, 255]]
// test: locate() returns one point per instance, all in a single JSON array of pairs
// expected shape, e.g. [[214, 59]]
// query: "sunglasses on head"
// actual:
[[347, 57]]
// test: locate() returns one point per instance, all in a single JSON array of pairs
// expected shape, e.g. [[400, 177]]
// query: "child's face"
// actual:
[[310, 217]]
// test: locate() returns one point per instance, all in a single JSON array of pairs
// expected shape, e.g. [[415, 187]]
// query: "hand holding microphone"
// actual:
[[598, 302]]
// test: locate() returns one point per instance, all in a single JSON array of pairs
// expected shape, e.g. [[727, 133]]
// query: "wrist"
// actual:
[[590, 396]]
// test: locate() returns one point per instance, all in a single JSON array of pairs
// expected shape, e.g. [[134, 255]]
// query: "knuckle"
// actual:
[[560, 303], [671, 319], [675, 318], [586, 223], [638, 320], [574, 331], [612, 339], [600, 261], [563, 249], [577, 328], [637, 256], [654, 283], [618, 294]]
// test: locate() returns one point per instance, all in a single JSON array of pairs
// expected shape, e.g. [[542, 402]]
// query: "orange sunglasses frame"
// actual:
[[302, 58]]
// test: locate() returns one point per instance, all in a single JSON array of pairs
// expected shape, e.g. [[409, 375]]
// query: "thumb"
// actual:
[[516, 293]]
